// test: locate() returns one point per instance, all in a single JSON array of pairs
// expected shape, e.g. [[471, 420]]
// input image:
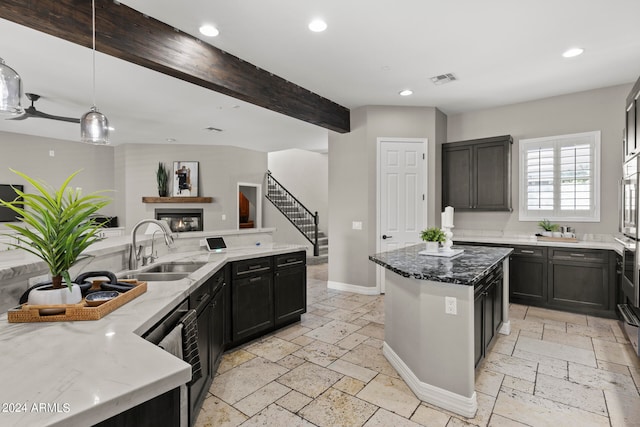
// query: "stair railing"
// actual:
[[289, 205]]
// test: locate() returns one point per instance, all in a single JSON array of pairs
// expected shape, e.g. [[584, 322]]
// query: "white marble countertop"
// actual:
[[79, 373], [531, 240]]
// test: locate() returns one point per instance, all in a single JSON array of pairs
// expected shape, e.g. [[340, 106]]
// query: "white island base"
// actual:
[[434, 351]]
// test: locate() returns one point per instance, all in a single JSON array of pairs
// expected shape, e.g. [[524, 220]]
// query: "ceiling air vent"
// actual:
[[443, 78]]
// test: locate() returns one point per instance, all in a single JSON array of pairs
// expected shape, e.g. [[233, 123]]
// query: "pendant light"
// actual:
[[10, 91], [94, 126]]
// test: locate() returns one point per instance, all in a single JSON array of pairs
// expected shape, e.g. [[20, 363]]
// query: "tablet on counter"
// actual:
[[215, 244]]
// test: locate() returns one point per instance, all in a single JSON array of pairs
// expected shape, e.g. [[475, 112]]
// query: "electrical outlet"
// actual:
[[224, 217], [356, 225], [450, 305], [203, 242], [38, 279]]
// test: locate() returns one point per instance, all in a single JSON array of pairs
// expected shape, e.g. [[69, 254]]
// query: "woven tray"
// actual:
[[27, 313]]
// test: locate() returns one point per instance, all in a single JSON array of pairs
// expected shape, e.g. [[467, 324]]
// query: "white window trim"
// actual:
[[524, 214]]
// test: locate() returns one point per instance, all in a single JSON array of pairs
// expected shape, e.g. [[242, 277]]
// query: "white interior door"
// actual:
[[401, 194]]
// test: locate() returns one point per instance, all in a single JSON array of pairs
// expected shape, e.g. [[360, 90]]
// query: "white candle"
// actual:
[[443, 220], [448, 216]]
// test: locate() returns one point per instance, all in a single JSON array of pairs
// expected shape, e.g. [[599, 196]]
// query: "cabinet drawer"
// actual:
[[579, 255], [531, 251], [251, 266], [290, 260]]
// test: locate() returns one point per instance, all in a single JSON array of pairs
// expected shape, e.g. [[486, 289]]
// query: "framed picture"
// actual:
[[185, 179]]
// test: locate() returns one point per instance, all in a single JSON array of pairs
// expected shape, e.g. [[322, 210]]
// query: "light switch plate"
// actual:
[[356, 225]]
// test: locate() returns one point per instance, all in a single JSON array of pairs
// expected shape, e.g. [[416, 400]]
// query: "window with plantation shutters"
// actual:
[[560, 178]]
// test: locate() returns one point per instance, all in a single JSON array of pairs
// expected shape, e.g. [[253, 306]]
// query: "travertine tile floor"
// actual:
[[555, 369]]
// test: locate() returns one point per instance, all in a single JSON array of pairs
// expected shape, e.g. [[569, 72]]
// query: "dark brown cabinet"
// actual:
[[487, 311], [476, 174], [290, 287], [579, 280], [528, 275], [251, 297], [632, 121], [266, 293]]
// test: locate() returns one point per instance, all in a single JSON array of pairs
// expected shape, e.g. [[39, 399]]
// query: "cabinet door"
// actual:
[[456, 177], [497, 304], [528, 276], [217, 328], [631, 128], [199, 389], [252, 300], [478, 317], [488, 328], [578, 285], [290, 292], [492, 176]]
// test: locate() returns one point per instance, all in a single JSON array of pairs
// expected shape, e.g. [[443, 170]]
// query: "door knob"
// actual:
[[385, 237]]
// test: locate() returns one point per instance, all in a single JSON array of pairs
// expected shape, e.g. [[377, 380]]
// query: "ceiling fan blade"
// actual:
[[52, 117]]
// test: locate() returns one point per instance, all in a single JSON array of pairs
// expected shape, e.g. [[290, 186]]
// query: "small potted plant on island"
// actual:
[[548, 228], [162, 176], [433, 236], [58, 227]]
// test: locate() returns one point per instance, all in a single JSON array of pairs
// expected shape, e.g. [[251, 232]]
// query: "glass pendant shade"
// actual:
[[10, 90], [94, 127]]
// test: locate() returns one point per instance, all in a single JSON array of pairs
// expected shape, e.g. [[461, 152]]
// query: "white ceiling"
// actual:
[[502, 52]]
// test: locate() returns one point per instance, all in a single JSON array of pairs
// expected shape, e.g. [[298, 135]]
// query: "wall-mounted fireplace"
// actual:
[[181, 220]]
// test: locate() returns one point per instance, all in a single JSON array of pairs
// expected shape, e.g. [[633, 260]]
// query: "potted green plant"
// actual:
[[433, 236], [547, 227], [162, 176], [57, 227]]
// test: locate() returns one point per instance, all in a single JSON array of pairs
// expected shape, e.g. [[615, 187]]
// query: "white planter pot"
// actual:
[[557, 234], [47, 296], [432, 246], [547, 233]]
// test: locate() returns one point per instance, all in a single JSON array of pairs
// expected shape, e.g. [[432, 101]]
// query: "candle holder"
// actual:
[[446, 246]]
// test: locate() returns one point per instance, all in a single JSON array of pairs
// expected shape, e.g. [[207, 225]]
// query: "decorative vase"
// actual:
[[433, 246], [46, 295]]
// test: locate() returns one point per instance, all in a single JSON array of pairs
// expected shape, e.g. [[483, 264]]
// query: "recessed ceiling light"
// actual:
[[405, 92], [209, 30], [574, 51], [317, 25]]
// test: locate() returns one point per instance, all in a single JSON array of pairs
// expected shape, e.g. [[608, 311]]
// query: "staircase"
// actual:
[[301, 217]]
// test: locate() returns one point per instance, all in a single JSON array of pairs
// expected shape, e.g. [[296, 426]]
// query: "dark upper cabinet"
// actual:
[[632, 136], [476, 174]]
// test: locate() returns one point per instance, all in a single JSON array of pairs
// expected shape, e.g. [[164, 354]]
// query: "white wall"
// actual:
[[600, 109], [305, 175], [352, 183]]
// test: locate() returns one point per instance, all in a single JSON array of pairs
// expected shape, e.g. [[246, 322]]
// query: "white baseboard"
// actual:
[[465, 406], [357, 289], [505, 328]]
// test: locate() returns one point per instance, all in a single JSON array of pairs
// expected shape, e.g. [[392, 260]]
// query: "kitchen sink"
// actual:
[[165, 276], [175, 267]]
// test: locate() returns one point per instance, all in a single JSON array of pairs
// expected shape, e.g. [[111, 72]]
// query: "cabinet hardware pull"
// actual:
[[524, 251], [255, 279], [253, 267], [578, 255], [203, 297]]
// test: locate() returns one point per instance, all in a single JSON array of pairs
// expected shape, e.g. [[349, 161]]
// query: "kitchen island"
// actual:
[[80, 373], [432, 309]]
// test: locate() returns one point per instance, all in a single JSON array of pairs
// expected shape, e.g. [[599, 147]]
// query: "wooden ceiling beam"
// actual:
[[127, 34]]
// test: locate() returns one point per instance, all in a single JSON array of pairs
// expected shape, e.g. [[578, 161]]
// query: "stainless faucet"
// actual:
[[136, 251]]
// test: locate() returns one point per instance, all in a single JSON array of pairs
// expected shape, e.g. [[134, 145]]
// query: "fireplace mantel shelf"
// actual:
[[177, 199]]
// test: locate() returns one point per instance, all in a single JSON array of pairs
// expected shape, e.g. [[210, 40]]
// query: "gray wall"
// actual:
[[130, 170], [352, 183], [600, 109], [30, 154], [220, 169]]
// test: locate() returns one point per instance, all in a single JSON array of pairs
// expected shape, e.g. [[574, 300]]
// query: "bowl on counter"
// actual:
[[96, 298]]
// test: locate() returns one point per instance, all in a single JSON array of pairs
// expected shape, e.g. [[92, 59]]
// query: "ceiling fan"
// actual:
[[32, 112]]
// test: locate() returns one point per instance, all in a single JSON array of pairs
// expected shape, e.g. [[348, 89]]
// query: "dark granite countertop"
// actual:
[[464, 269]]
